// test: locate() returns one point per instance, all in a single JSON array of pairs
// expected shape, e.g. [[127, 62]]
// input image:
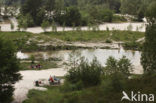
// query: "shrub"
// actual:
[[117, 18], [108, 41], [101, 15], [113, 82], [88, 73], [71, 16], [45, 24], [122, 66], [132, 46]]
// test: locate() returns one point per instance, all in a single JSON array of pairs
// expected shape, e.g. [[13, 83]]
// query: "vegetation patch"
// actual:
[[26, 41], [86, 80]]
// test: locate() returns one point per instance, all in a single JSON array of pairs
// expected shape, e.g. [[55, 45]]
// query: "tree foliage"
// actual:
[[148, 59], [9, 67], [118, 66], [35, 10], [87, 73], [45, 24]]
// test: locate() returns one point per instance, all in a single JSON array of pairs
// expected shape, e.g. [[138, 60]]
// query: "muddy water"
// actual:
[[101, 54]]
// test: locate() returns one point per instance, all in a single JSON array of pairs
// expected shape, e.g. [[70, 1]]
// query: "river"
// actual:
[[101, 54]]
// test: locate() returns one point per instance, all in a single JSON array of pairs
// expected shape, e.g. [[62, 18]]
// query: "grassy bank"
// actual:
[[56, 40], [96, 35]]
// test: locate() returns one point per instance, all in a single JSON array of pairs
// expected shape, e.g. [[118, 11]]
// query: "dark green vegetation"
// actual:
[[132, 45], [139, 8], [9, 67], [149, 48], [30, 42], [75, 12], [92, 83], [104, 93]]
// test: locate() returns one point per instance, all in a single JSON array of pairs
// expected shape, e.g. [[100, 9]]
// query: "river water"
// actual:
[[101, 54]]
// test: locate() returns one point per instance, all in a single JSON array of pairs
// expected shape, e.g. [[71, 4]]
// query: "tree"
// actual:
[[73, 16], [148, 59], [45, 24], [130, 6], [12, 26], [23, 23], [122, 66], [32, 59], [64, 26], [35, 9], [54, 27], [87, 73], [9, 67], [50, 6]]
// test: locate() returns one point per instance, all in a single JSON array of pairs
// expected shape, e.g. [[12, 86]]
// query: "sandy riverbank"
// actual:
[[29, 76], [136, 26]]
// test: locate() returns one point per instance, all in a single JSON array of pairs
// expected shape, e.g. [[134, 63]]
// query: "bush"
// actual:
[[108, 41], [132, 46], [106, 15], [117, 18], [9, 67], [25, 21], [45, 24], [101, 15], [122, 66], [71, 16], [88, 73], [67, 87], [113, 82]]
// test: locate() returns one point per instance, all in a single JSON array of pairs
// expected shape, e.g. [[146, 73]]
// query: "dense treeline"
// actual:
[[76, 12]]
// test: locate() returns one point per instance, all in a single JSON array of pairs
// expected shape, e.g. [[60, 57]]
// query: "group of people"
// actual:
[[38, 66], [54, 79]]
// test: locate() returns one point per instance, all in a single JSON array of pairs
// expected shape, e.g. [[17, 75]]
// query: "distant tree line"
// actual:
[[76, 12]]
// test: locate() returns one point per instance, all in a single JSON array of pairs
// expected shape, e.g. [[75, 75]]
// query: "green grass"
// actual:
[[74, 35], [26, 41], [79, 35], [53, 95], [126, 36], [96, 36]]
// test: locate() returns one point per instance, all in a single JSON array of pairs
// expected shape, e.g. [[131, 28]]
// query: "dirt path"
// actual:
[[112, 26]]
